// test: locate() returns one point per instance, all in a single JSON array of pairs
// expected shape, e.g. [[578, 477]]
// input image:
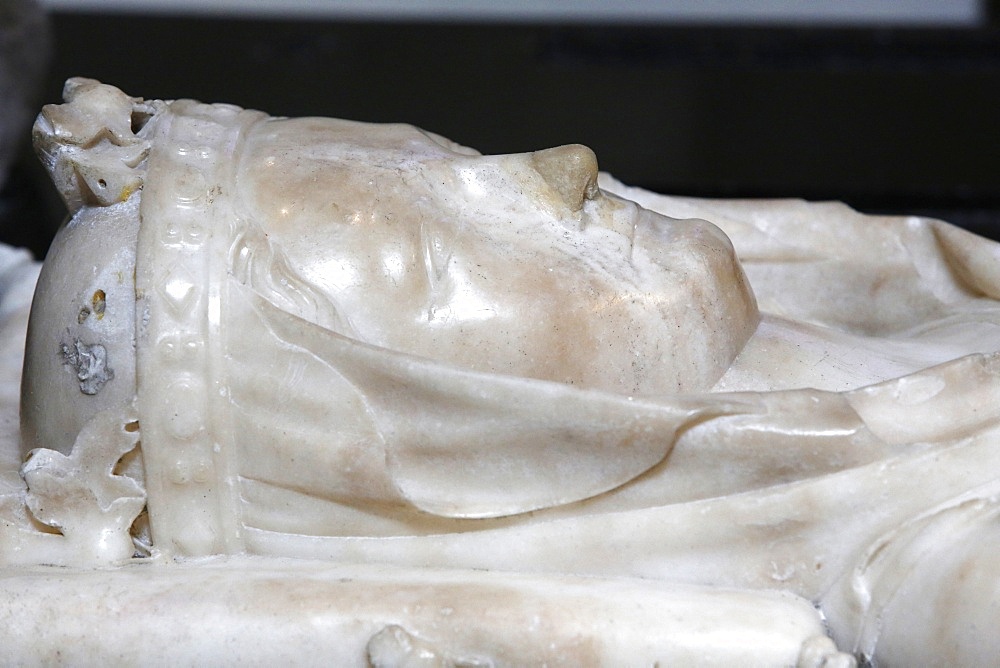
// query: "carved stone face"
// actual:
[[510, 264], [515, 264]]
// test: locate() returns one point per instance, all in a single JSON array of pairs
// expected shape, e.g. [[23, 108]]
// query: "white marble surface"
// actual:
[[361, 358], [297, 612]]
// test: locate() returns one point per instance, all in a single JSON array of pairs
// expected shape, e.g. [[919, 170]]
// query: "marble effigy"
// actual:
[[357, 394]]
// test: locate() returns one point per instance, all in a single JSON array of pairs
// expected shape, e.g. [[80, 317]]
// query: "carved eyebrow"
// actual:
[[436, 255], [436, 248], [452, 146], [437, 251]]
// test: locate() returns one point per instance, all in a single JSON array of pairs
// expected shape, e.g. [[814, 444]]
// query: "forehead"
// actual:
[[315, 171], [333, 140]]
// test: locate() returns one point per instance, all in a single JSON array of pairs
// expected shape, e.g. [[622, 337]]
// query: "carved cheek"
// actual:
[[377, 277]]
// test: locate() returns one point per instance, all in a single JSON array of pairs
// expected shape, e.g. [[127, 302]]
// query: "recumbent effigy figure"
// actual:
[[361, 344]]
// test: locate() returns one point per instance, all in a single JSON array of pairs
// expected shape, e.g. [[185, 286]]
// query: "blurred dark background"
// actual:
[[889, 118]]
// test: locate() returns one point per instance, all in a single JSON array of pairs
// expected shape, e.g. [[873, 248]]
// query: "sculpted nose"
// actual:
[[571, 172]]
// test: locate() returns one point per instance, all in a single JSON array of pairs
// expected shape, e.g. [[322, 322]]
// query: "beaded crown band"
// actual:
[[105, 148]]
